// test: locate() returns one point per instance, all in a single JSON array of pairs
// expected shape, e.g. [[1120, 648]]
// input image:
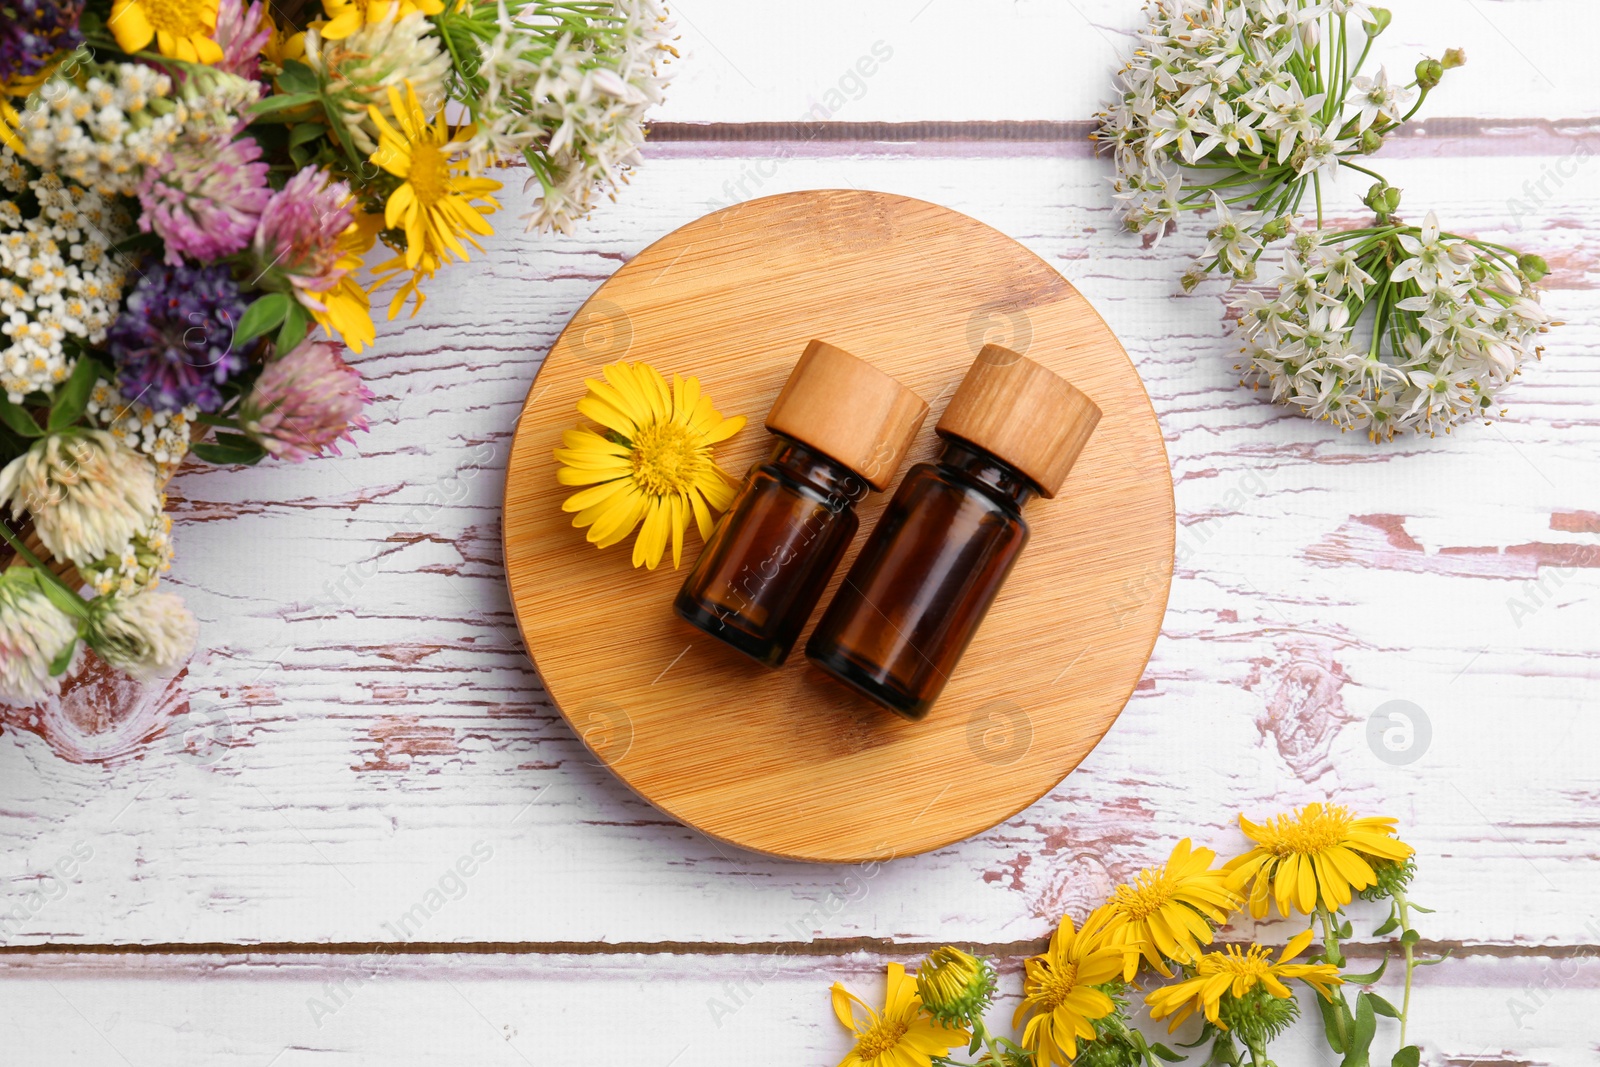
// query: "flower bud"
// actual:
[[1533, 267], [955, 987], [1429, 73], [1192, 278], [1276, 230], [1371, 141], [1455, 57], [1381, 17]]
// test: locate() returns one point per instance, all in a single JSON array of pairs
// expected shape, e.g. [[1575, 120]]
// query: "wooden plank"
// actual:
[[895, 61], [380, 717], [404, 1010]]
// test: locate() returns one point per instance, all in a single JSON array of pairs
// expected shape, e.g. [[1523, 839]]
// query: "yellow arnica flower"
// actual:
[[1316, 856], [182, 29], [651, 462], [1237, 973], [347, 16], [20, 89], [1167, 914], [1058, 991], [346, 308], [439, 202], [899, 1036]]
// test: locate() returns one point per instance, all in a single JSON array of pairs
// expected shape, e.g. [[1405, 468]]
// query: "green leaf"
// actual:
[[305, 131], [73, 396], [63, 658], [297, 77], [270, 105], [70, 603], [1435, 961], [1166, 1053], [1344, 930], [1388, 926], [1383, 1007], [1371, 976], [230, 448], [16, 416], [1331, 1011], [1410, 1056], [1419, 907], [295, 324], [265, 314], [1410, 937], [1359, 1053]]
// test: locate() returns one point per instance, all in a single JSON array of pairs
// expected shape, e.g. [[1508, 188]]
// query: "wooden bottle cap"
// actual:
[[849, 411], [1023, 414]]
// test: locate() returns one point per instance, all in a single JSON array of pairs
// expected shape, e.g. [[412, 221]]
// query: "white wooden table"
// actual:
[[283, 886]]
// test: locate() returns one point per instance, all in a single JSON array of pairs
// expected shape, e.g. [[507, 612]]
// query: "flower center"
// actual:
[[429, 174], [1316, 830], [883, 1037], [180, 18], [1054, 985], [1252, 963], [666, 458], [1146, 896]]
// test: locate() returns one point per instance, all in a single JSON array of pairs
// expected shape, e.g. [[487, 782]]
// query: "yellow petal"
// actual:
[[130, 25]]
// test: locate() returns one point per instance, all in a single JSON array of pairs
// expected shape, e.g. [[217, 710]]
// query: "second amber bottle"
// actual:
[[842, 427]]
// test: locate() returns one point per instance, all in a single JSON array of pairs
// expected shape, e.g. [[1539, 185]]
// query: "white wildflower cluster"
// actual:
[[572, 106], [1243, 101], [102, 133], [358, 71], [140, 563], [59, 279], [161, 435], [1451, 322]]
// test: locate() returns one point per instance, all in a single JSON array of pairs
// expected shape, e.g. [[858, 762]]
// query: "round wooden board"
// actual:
[[789, 762]]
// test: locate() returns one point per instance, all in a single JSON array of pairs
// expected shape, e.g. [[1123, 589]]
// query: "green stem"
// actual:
[[44, 572], [1331, 953], [1411, 962], [1356, 166], [991, 1050]]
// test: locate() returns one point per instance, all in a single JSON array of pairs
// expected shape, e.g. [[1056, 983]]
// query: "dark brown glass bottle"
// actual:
[[938, 556], [842, 429]]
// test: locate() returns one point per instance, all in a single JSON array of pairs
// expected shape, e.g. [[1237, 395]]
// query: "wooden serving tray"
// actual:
[[789, 762]]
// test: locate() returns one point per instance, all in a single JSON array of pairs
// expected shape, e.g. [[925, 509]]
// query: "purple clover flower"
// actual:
[[173, 343], [204, 201]]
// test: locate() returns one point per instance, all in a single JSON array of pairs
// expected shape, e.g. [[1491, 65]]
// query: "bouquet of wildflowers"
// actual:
[[189, 190], [1313, 864], [1246, 110]]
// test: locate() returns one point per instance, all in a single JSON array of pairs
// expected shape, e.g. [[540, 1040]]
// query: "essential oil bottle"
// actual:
[[842, 427], [931, 567]]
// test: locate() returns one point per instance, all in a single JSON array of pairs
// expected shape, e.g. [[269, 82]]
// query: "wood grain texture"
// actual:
[[364, 712], [788, 762]]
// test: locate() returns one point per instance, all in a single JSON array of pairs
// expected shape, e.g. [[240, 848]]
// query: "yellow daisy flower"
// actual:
[[346, 307], [439, 202], [182, 29], [1315, 857], [651, 461], [1167, 914], [899, 1036], [1058, 991], [347, 16], [1236, 973]]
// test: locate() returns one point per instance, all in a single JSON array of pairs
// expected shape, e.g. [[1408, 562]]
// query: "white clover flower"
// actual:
[[145, 634], [88, 496], [360, 69], [34, 634]]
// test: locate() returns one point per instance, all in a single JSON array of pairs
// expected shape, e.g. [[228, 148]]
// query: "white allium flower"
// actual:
[[59, 280], [572, 107], [88, 496], [1456, 330], [34, 632], [145, 634], [360, 69]]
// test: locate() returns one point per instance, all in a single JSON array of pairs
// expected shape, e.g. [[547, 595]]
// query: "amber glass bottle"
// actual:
[[842, 429], [936, 559]]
